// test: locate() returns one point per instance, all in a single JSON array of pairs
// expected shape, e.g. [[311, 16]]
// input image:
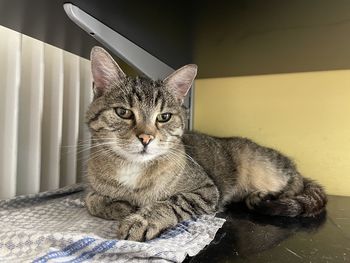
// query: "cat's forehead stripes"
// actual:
[[145, 93]]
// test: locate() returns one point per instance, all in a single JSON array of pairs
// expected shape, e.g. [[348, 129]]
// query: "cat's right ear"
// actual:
[[105, 71]]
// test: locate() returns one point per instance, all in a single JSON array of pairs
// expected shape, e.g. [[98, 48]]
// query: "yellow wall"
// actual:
[[304, 115]]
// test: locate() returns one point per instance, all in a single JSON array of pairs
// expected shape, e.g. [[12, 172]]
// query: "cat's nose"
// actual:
[[145, 139]]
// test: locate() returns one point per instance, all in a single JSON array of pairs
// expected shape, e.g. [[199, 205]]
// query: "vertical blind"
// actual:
[[44, 94]]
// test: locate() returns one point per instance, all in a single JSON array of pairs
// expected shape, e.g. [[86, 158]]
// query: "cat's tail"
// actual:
[[310, 202]]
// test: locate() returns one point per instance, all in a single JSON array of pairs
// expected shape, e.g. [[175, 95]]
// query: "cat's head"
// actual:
[[137, 118]]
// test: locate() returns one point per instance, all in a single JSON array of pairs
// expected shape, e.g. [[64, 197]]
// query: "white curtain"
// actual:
[[44, 94]]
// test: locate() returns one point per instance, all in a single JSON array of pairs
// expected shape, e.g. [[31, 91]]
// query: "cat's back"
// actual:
[[224, 153], [205, 145]]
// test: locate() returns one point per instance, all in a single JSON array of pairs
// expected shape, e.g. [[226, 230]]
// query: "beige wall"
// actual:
[[304, 115]]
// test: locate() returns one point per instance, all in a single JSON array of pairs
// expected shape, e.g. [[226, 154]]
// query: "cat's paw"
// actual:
[[287, 194], [93, 203], [253, 199], [137, 228], [132, 227]]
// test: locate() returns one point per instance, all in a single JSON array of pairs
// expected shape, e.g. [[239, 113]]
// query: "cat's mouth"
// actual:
[[144, 151], [145, 154]]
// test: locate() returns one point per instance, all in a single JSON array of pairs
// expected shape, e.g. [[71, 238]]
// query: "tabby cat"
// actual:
[[148, 173]]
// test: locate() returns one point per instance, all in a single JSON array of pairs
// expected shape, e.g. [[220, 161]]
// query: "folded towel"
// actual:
[[55, 226]]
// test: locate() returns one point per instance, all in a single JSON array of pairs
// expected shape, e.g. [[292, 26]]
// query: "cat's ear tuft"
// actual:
[[181, 80], [105, 71]]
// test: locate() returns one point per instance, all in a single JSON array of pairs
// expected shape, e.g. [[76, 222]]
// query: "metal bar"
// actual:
[[121, 46]]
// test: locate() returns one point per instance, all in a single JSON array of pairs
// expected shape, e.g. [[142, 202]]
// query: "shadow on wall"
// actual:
[[233, 38]]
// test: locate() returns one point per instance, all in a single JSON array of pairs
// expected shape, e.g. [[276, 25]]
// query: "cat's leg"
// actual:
[[105, 207], [264, 174], [150, 221], [271, 184], [293, 186]]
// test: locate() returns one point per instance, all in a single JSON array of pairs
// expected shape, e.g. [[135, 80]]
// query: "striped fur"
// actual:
[[179, 174]]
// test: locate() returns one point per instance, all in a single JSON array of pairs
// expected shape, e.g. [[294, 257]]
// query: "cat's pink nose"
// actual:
[[145, 139]]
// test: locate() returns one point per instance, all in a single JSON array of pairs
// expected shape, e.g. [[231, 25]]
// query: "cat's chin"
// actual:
[[141, 157]]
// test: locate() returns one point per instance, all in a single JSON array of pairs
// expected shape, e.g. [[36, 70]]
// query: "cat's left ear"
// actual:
[[181, 80]]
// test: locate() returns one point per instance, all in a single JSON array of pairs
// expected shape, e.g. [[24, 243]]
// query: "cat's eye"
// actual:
[[164, 117], [124, 113]]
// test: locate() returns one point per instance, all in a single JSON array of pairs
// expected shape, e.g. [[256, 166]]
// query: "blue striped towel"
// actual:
[[55, 226]]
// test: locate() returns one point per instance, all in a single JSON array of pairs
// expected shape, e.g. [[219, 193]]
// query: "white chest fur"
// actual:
[[129, 175]]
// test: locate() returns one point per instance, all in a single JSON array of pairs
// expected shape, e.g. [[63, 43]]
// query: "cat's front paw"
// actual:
[[93, 202], [253, 199], [137, 228]]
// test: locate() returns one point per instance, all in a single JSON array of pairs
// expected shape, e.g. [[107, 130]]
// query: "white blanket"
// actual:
[[55, 226]]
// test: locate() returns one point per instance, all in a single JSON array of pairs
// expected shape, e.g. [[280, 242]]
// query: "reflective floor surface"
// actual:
[[248, 237]]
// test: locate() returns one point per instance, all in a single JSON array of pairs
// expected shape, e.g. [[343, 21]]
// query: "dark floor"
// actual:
[[247, 237]]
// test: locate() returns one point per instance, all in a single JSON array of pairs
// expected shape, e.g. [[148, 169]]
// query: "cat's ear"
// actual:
[[181, 80], [105, 71]]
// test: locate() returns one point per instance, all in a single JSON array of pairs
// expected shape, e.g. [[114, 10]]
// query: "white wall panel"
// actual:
[[52, 118], [70, 129], [45, 92], [10, 51], [84, 135], [30, 116]]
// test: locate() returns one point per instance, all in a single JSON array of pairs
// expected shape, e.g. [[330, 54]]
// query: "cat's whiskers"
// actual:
[[87, 142], [176, 157], [95, 145], [178, 165], [102, 152], [94, 155], [87, 147], [171, 143], [184, 154]]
